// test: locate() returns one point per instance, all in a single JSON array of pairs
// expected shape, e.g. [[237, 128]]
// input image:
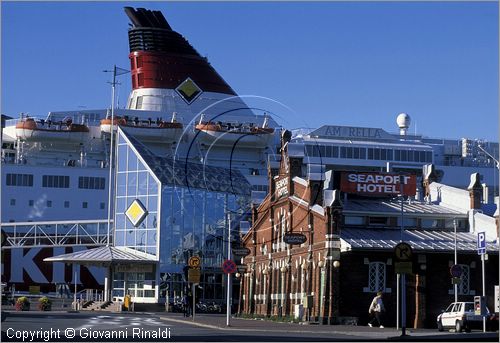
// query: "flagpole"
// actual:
[[111, 150]]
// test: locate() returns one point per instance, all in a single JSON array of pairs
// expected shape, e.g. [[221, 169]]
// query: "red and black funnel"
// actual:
[[162, 58]]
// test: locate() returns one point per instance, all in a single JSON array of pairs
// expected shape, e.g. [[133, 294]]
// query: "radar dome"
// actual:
[[403, 121]]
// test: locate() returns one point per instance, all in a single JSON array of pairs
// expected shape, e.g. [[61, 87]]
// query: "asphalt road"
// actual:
[[96, 327], [159, 327]]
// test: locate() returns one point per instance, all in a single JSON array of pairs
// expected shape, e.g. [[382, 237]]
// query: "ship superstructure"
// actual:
[[374, 149]]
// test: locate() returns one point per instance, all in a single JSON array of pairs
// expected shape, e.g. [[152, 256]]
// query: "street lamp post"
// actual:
[[497, 164], [455, 286], [403, 275]]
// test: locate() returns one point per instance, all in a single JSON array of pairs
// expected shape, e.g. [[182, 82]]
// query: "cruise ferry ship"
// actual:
[[56, 168], [182, 118], [375, 149]]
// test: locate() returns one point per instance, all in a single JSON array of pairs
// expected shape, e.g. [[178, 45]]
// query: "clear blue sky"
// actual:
[[357, 64]]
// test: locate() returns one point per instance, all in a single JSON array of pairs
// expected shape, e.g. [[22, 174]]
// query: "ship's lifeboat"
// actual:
[[220, 133], [159, 131], [31, 129]]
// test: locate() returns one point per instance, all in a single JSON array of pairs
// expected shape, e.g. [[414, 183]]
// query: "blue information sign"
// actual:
[[481, 243]]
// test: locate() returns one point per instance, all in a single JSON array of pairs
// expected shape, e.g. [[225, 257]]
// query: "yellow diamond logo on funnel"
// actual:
[[188, 90], [136, 212]]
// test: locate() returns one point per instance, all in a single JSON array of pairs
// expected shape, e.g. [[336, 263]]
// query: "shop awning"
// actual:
[[422, 240], [104, 256]]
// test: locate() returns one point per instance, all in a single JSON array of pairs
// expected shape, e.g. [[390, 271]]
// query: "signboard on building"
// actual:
[[282, 187], [241, 251], [377, 184], [497, 298], [350, 132], [294, 238]]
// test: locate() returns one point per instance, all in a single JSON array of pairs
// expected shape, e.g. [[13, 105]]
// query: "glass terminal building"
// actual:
[[173, 209]]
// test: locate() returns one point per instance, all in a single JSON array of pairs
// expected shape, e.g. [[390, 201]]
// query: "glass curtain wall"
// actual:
[[187, 208], [134, 182], [196, 223]]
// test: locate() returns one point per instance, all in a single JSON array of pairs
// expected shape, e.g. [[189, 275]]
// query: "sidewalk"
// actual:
[[218, 322]]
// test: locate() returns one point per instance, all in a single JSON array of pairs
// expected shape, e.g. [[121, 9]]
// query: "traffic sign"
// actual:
[[194, 275], [481, 243], [194, 261], [456, 270], [403, 252], [403, 267], [229, 267]]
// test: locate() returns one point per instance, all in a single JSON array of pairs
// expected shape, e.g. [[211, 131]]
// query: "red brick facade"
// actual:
[[335, 286]]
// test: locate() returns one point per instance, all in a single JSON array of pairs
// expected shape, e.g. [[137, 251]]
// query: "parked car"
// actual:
[[460, 316]]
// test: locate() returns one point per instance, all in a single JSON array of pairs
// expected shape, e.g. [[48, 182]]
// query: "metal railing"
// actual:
[[55, 233]]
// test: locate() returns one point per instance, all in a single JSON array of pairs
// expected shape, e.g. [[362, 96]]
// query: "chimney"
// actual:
[[273, 168], [333, 212], [316, 178], [316, 192], [255, 214], [429, 176], [475, 191]]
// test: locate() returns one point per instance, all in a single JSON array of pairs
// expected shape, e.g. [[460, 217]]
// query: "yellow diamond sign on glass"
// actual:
[[188, 90], [136, 212]]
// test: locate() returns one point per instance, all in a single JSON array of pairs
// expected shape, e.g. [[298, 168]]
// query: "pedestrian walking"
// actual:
[[377, 310], [185, 305]]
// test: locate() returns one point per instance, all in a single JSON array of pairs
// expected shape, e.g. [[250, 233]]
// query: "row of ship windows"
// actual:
[[368, 153], [56, 181], [261, 188], [48, 203]]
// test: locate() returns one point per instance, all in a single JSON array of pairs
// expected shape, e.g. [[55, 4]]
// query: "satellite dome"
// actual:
[[403, 121]]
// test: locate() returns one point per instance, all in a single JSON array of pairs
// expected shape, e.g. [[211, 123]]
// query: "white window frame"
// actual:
[[377, 272]]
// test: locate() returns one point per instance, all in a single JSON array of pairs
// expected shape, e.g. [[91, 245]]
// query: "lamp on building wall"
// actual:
[[336, 264], [321, 264], [238, 275], [265, 271], [284, 269]]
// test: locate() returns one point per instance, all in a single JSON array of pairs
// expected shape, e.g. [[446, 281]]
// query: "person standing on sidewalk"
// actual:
[[185, 305], [376, 310]]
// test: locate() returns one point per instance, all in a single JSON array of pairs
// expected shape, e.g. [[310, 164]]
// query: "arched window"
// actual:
[[376, 276]]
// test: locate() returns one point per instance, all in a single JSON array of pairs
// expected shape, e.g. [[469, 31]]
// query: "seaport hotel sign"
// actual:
[[378, 183]]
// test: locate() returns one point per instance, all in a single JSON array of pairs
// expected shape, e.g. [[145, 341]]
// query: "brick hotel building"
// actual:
[[345, 238]]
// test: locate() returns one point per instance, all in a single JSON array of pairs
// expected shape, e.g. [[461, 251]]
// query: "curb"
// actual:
[[208, 326]]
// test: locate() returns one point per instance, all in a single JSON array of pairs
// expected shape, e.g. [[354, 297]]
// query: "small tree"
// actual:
[[44, 304], [22, 304]]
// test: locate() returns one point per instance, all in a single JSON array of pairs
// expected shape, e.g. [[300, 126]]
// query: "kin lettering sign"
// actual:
[[377, 184]]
